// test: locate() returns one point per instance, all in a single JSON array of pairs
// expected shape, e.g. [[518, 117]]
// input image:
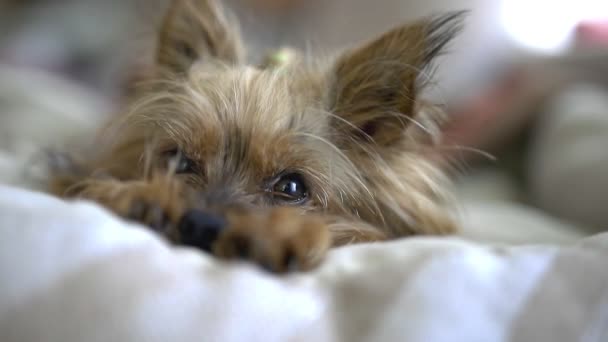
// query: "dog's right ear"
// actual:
[[195, 30]]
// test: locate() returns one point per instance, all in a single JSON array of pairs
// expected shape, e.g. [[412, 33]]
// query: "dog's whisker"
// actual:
[[488, 156]]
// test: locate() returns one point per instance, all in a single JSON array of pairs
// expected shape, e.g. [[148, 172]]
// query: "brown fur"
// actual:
[[353, 127]]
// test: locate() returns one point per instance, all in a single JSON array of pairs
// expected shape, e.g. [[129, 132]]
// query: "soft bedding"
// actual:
[[73, 272]]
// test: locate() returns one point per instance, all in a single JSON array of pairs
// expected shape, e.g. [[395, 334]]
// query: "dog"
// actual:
[[274, 163]]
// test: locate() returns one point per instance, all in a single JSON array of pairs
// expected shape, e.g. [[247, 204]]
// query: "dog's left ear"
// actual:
[[197, 30], [375, 87]]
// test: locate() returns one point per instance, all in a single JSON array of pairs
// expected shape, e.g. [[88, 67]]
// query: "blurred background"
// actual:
[[526, 84]]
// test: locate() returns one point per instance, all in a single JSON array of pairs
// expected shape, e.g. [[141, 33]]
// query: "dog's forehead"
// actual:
[[252, 99], [243, 112], [246, 97]]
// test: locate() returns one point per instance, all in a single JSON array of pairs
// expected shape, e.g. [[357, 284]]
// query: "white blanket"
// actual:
[[73, 272]]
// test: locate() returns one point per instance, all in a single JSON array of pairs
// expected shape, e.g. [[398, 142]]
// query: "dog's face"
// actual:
[[345, 136]]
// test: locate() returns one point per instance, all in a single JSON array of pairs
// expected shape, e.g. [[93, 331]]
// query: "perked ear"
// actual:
[[195, 30], [375, 87]]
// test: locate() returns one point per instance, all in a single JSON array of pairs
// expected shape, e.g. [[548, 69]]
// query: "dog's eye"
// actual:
[[290, 188], [180, 162], [184, 165]]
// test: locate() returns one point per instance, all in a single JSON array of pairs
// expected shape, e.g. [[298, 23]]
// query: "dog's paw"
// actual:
[[149, 213], [279, 240], [156, 205]]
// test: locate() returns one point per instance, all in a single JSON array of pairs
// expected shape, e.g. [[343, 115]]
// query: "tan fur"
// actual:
[[352, 126]]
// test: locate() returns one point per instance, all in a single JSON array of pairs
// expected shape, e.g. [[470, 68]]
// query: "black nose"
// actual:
[[200, 229]]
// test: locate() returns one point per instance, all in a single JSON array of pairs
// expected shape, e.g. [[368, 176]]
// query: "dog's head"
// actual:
[[346, 136]]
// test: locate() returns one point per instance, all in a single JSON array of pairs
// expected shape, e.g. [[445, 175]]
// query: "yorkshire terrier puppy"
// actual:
[[273, 163]]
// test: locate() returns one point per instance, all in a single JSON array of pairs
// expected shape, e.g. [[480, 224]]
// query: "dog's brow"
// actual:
[[236, 147]]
